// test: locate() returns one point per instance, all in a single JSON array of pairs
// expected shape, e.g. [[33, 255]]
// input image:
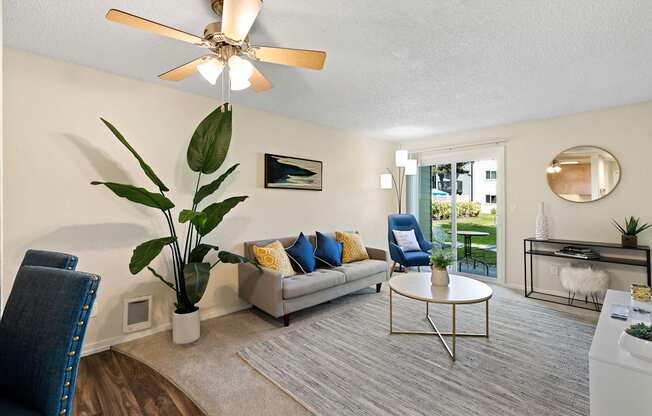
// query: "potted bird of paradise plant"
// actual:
[[206, 153]]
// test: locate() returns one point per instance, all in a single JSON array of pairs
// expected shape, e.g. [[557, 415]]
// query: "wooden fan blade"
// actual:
[[183, 71], [125, 18], [293, 57], [258, 81], [238, 16]]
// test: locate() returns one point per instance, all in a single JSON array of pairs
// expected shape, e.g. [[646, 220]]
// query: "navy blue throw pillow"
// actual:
[[328, 251], [302, 255]]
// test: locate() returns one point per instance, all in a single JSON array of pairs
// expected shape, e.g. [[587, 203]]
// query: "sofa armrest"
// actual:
[[377, 253], [263, 289]]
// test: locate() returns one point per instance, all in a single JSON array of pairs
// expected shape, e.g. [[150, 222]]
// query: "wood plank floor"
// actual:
[[111, 383]]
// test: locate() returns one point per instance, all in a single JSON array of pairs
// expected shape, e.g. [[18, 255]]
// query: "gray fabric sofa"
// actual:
[[279, 296]]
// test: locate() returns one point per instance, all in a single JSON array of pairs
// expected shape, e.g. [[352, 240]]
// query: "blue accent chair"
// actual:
[[405, 222], [41, 335]]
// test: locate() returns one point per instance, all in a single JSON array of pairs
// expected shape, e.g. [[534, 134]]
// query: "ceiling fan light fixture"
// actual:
[[238, 84], [211, 70], [240, 69]]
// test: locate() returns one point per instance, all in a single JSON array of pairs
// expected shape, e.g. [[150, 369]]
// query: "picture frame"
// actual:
[[288, 172]]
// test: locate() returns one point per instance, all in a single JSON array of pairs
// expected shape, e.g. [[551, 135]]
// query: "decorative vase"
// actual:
[[541, 232], [439, 277], [629, 240], [639, 348], [185, 327]]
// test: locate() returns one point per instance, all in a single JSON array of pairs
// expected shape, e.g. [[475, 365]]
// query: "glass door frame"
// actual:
[[453, 156]]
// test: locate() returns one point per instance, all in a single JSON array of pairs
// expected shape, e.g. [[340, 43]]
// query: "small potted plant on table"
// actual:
[[630, 231], [439, 262]]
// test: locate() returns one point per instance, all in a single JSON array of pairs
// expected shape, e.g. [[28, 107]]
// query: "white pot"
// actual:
[[185, 327], [439, 277], [639, 348]]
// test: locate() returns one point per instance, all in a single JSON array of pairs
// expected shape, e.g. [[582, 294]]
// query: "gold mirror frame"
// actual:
[[556, 166]]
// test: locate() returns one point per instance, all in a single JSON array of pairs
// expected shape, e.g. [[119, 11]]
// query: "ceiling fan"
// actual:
[[228, 43]]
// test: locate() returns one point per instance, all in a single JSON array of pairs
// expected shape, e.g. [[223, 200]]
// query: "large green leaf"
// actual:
[[198, 253], [208, 189], [210, 141], [148, 170], [138, 195], [216, 212], [196, 276], [146, 252], [232, 258]]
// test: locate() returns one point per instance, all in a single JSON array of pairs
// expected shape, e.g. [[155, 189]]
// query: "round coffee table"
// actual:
[[460, 291]]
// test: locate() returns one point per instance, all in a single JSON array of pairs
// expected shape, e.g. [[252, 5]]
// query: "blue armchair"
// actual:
[[405, 222], [41, 335]]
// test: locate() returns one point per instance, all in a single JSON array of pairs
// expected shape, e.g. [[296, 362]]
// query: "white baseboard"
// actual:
[[204, 314]]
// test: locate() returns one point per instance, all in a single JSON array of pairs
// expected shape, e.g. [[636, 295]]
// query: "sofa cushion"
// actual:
[[273, 256], [305, 284], [328, 251], [302, 255], [354, 249], [360, 269]]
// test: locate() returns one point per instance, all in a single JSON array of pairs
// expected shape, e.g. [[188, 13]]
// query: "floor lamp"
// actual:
[[396, 180]]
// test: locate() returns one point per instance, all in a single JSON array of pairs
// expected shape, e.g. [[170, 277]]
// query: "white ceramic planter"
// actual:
[[439, 277], [639, 348], [185, 327]]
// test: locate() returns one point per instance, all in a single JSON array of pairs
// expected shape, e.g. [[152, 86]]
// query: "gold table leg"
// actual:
[[454, 334]]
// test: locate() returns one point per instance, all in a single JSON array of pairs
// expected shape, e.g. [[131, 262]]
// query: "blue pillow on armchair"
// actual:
[[328, 251], [302, 255]]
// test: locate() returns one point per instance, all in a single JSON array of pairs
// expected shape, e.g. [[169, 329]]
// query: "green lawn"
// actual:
[[483, 222]]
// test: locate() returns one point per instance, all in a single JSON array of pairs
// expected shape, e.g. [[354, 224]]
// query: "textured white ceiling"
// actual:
[[395, 69]]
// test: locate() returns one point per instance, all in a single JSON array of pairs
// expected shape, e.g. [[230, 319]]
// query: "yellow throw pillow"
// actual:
[[273, 256], [353, 247]]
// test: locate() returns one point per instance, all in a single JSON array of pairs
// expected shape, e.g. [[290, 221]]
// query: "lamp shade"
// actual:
[[386, 181], [411, 167], [401, 158], [211, 70]]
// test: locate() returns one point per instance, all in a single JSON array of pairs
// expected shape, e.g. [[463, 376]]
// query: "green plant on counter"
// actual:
[[441, 259], [641, 331], [206, 153], [630, 227]]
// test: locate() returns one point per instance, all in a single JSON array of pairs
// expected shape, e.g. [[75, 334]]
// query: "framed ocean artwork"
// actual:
[[285, 172]]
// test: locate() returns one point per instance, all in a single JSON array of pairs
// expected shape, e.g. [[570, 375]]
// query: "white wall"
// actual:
[[55, 145], [625, 131]]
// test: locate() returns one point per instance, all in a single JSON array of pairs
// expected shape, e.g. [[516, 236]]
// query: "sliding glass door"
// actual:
[[458, 206]]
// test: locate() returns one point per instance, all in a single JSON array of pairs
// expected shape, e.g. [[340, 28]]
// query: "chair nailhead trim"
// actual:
[[75, 338], [63, 412], [68, 369], [66, 384], [85, 307], [64, 398], [71, 353], [80, 323]]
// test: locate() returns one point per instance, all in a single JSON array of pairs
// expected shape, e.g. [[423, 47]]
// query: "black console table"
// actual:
[[533, 247]]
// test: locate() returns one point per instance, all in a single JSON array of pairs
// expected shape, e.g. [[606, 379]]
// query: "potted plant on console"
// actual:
[[206, 154], [439, 262], [630, 230]]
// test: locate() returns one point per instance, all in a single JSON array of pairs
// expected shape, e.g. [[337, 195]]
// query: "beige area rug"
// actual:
[[535, 363]]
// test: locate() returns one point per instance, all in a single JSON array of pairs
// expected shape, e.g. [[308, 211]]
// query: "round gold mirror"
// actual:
[[583, 174]]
